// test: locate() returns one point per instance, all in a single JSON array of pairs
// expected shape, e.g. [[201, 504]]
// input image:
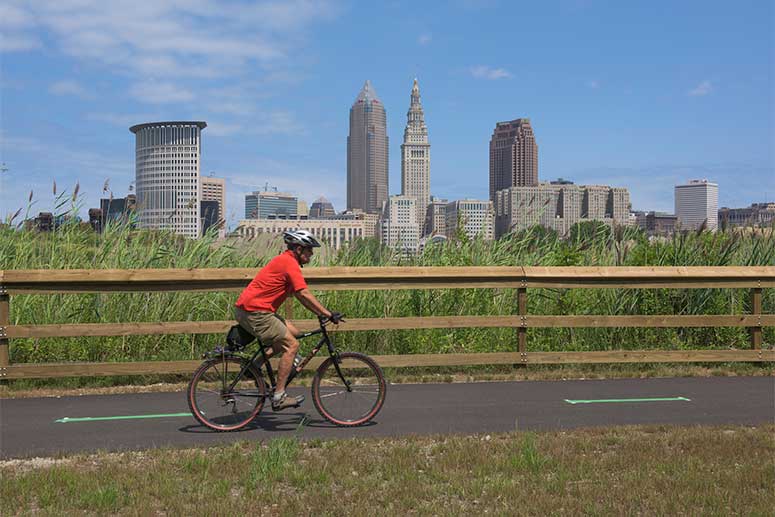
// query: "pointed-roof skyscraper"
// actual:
[[367, 153], [416, 158]]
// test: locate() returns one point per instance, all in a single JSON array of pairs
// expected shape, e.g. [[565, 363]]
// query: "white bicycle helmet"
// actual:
[[301, 237]]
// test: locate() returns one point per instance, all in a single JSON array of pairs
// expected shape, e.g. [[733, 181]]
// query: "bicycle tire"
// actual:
[[220, 411], [342, 406]]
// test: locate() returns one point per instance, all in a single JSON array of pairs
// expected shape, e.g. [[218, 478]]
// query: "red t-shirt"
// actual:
[[272, 285]]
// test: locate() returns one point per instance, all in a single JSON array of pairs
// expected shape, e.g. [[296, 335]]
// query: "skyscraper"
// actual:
[[416, 158], [697, 203], [513, 156], [167, 162], [367, 153]]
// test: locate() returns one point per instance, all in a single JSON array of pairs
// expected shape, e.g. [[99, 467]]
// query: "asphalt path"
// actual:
[[28, 427]]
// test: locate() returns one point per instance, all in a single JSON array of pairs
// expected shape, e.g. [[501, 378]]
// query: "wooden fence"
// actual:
[[522, 279]]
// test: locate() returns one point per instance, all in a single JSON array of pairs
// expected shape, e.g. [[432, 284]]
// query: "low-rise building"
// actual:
[[334, 232], [398, 226], [757, 215], [209, 211], [262, 205], [214, 189], [558, 206], [656, 223], [436, 217], [117, 209], [473, 216], [370, 221], [321, 208]]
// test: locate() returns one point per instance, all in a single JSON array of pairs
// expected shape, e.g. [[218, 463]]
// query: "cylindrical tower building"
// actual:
[[167, 165]]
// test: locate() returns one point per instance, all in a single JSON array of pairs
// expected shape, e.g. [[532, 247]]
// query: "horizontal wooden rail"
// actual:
[[430, 322], [367, 278], [19, 371]]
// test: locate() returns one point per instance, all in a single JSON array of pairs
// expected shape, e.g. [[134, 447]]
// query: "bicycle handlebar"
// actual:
[[324, 320]]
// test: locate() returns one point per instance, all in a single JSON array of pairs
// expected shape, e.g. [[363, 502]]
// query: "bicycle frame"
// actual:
[[324, 340]]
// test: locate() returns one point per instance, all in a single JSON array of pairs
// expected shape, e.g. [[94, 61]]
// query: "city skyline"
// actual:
[[617, 95]]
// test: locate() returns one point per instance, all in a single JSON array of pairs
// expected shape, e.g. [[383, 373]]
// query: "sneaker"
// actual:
[[286, 402]]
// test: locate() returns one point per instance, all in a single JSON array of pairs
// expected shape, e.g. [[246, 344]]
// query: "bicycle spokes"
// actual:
[[225, 394], [349, 392]]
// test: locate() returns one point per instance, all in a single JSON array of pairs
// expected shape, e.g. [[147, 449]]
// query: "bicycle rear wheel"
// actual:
[[351, 401], [216, 404]]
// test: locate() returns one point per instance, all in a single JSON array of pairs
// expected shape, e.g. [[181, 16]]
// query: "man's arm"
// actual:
[[309, 301]]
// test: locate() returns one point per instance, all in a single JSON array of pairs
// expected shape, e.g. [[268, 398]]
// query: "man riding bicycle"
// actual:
[[256, 307]]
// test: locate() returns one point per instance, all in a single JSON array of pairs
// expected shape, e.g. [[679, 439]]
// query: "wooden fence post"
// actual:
[[756, 309], [5, 321], [522, 330]]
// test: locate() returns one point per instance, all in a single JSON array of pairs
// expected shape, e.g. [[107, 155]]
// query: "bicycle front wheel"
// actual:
[[224, 398], [352, 394]]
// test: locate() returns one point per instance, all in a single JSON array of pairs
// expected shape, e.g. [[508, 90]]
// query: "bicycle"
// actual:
[[229, 389]]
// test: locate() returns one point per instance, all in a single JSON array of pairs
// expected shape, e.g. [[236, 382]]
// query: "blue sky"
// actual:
[[636, 94]]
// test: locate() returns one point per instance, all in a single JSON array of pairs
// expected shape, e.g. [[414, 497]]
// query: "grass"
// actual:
[[653, 470]]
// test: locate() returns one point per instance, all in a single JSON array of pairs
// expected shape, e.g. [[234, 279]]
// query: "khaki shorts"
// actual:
[[268, 327]]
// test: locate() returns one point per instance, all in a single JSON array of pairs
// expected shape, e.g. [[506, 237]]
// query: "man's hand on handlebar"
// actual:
[[335, 317]]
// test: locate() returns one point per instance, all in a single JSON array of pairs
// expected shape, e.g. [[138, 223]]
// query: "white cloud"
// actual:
[[45, 162], [238, 99], [298, 179], [233, 107], [69, 87], [158, 92], [124, 120], [14, 16], [260, 123], [221, 129], [278, 122], [17, 42], [424, 39], [704, 88], [492, 74], [174, 38]]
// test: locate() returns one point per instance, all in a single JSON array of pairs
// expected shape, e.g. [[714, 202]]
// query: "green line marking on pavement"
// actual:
[[67, 419], [601, 401]]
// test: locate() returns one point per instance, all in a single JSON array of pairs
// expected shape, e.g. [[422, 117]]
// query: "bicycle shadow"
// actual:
[[325, 424], [274, 423]]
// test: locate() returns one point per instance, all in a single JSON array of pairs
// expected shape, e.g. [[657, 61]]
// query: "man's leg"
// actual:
[[289, 345]]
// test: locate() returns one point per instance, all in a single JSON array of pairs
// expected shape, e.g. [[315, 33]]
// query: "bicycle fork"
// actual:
[[346, 383]]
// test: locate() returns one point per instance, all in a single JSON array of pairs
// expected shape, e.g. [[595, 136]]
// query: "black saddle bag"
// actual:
[[238, 338]]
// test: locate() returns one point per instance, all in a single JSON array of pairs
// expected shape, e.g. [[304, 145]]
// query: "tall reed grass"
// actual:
[[72, 246]]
